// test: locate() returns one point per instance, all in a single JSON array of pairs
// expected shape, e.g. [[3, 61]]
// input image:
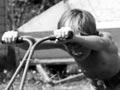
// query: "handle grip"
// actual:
[[70, 36], [18, 40]]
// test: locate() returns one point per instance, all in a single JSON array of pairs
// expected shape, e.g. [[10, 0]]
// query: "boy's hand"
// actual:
[[62, 34], [10, 36]]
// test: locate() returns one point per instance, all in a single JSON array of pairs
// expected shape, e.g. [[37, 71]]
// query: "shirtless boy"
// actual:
[[94, 51]]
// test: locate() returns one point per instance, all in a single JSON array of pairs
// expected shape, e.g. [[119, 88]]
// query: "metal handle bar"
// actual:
[[33, 42], [28, 40], [38, 41]]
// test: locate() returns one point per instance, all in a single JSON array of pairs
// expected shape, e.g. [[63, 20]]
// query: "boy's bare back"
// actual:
[[103, 63]]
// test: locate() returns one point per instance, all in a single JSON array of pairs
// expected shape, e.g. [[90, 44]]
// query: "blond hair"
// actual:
[[80, 21]]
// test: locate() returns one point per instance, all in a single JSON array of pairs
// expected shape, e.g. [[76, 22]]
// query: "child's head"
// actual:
[[80, 21]]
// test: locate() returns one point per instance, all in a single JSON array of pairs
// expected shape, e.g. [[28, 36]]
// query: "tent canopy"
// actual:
[[106, 13]]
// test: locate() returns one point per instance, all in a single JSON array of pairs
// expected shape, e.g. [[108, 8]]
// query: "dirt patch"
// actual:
[[33, 82]]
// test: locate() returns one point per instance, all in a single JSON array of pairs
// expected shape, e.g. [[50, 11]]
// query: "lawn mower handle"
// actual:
[[33, 42]]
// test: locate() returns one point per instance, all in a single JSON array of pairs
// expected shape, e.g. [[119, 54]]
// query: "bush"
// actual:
[[21, 11]]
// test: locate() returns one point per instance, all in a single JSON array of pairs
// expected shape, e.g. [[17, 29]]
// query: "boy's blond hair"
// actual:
[[80, 21]]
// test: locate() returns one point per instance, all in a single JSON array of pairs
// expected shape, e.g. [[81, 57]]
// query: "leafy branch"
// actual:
[[21, 11]]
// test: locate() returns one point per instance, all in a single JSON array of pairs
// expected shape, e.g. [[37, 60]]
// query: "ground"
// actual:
[[33, 83]]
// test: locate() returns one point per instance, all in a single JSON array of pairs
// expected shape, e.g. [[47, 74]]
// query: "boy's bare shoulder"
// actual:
[[106, 37], [106, 34], [110, 43]]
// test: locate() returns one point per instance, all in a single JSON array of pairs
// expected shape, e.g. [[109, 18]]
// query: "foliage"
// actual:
[[21, 11]]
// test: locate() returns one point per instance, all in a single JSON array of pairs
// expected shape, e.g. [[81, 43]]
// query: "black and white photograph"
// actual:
[[59, 44]]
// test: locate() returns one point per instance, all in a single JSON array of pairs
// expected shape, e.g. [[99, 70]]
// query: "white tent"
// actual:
[[46, 21], [106, 12]]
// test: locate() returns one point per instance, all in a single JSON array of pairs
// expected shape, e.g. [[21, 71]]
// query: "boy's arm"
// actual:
[[94, 42]]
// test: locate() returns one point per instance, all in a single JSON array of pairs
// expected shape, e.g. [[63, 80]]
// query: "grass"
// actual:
[[34, 84]]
